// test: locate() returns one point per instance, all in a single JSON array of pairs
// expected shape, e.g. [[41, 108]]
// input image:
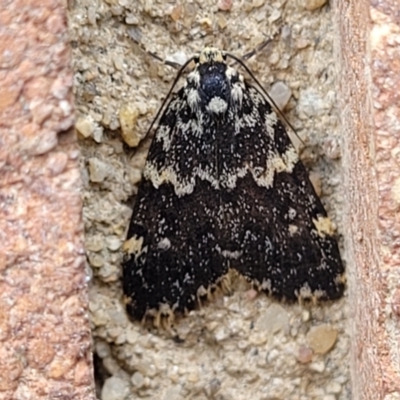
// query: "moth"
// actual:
[[223, 188]]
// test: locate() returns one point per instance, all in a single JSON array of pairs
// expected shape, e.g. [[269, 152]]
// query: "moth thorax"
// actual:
[[214, 87]]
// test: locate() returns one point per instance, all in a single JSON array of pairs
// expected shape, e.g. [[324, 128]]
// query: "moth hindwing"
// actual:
[[223, 187]]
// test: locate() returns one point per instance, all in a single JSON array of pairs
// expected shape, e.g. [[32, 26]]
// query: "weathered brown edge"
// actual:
[[369, 52], [45, 343]]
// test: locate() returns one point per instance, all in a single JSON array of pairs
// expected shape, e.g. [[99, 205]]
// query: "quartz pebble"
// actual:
[[318, 366], [114, 388], [305, 355], [312, 5], [172, 393], [281, 94], [322, 338], [273, 320], [225, 5], [128, 115], [212, 387], [138, 379], [85, 126], [98, 170]]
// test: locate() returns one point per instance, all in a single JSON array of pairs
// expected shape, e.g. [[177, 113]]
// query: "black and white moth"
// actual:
[[223, 187]]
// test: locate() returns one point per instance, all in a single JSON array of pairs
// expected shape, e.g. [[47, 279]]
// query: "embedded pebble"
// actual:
[[118, 315], [273, 320], [98, 170], [180, 57], [275, 15], [334, 387], [305, 355], [212, 387], [128, 115], [257, 3], [132, 335], [85, 126], [147, 369], [113, 243], [172, 393], [322, 338], [329, 397], [305, 315], [131, 19], [98, 134], [176, 12], [111, 365], [221, 334], [318, 366], [138, 380], [94, 243], [115, 388], [310, 104], [99, 318], [222, 22], [312, 5], [96, 260], [281, 94], [102, 349], [108, 272], [225, 5]]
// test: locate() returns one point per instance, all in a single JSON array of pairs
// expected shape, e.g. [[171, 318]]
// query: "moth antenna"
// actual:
[[154, 55], [179, 74], [248, 70]]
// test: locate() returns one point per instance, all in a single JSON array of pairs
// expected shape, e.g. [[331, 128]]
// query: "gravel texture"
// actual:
[[240, 346]]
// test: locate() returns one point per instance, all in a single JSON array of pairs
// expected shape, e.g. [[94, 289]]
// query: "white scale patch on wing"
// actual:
[[276, 163]]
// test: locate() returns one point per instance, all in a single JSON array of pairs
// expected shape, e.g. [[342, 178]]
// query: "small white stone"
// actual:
[[131, 19], [334, 387], [329, 397], [115, 388], [180, 57], [221, 333], [102, 349], [94, 243], [257, 3], [98, 170], [281, 94], [132, 336], [172, 393], [305, 315], [113, 243], [318, 366], [212, 387], [118, 63], [96, 260], [98, 134], [310, 104], [137, 380], [108, 272], [273, 320], [275, 15]]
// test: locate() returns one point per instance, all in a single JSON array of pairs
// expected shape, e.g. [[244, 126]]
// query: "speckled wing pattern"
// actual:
[[223, 188]]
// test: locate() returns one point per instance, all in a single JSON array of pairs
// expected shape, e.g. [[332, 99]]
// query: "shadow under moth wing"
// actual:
[[222, 188]]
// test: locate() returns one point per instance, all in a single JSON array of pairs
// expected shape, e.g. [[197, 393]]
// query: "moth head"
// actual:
[[211, 55]]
